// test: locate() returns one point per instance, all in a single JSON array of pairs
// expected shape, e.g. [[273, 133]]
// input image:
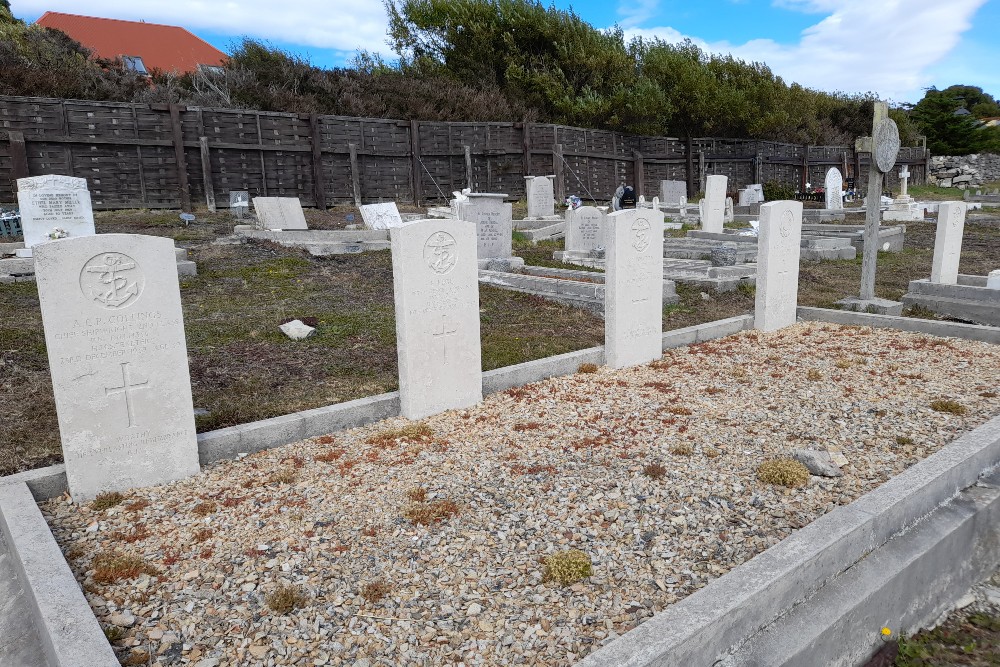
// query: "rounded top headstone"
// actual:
[[886, 140]]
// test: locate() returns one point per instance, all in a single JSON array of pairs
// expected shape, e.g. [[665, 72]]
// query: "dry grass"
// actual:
[[106, 500], [375, 591], [110, 567], [587, 368], [417, 494], [567, 567], [783, 472], [204, 509], [681, 449], [285, 599], [654, 470], [284, 476], [949, 406], [430, 512], [411, 433]]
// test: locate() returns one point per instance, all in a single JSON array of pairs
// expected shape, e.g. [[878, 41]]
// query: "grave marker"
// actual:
[[381, 216], [585, 229], [833, 188], [541, 200], [114, 330], [435, 281], [948, 243], [279, 213], [239, 203], [778, 248], [715, 204], [633, 309], [672, 191], [54, 205], [494, 223]]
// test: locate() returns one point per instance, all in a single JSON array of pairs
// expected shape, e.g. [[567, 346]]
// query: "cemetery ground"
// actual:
[[244, 370]]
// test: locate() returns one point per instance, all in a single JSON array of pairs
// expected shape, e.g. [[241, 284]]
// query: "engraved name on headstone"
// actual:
[[778, 248], [114, 330], [435, 280], [585, 229], [494, 223], [633, 324], [54, 205]]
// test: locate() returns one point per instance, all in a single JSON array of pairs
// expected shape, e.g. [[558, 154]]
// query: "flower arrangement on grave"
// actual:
[[57, 233], [573, 202]]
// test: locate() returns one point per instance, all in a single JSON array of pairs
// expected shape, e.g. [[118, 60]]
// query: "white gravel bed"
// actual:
[[532, 471]]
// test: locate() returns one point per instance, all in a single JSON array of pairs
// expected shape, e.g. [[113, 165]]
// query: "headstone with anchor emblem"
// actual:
[[114, 330], [633, 301], [436, 285]]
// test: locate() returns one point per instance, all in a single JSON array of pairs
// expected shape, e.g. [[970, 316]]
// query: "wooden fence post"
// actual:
[[18, 155], [468, 166], [526, 142], [701, 171], [319, 183], [690, 168], [355, 175], [415, 166], [638, 173], [557, 165], [805, 167], [179, 160], [206, 173]]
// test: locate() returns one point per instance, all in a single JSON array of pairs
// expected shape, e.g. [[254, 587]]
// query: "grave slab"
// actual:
[[715, 203], [833, 188], [540, 196], [49, 203], [435, 281], [948, 243], [279, 213], [114, 331], [585, 229], [494, 223], [381, 216], [671, 192], [778, 265]]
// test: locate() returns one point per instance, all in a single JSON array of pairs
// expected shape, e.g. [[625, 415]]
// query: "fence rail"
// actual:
[[169, 156]]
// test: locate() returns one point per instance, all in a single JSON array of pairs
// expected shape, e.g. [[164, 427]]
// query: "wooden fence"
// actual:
[[160, 156]]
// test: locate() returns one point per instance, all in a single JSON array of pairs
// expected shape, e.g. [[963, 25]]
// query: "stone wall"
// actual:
[[966, 171]]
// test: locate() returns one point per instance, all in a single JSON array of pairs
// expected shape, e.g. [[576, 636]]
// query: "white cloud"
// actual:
[[339, 25], [634, 12], [884, 46]]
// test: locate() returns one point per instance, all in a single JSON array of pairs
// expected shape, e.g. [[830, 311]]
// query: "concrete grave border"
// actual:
[[926, 513]]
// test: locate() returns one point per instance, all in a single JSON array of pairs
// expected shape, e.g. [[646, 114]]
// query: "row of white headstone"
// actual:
[[114, 332]]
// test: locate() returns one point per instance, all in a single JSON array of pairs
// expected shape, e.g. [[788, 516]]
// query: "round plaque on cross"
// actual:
[[886, 140]]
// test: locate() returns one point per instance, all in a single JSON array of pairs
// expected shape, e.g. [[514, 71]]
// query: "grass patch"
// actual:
[[375, 591], [587, 368], [567, 567], [110, 568], [654, 470], [204, 509], [430, 512], [949, 406], [971, 639], [106, 500], [783, 472], [411, 433], [681, 449], [286, 599]]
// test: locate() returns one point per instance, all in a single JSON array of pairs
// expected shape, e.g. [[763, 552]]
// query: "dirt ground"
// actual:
[[243, 369]]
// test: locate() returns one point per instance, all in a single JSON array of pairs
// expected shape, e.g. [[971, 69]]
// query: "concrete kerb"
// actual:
[[68, 632], [975, 332]]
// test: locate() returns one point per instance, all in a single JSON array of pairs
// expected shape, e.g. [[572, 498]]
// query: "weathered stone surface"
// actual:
[[833, 188], [715, 204], [297, 330], [818, 462], [494, 223], [633, 322], [948, 242], [724, 255], [54, 202], [541, 200], [993, 279], [671, 192], [279, 213], [435, 278], [381, 216], [778, 248], [115, 337], [585, 229]]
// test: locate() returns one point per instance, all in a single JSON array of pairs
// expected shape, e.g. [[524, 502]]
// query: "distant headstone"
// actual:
[[381, 216], [54, 207], [833, 188], [435, 279], [728, 216], [585, 229], [494, 223], [672, 191], [239, 203], [715, 204], [751, 194], [778, 248], [114, 330], [948, 243], [993, 279], [633, 308], [280, 213], [541, 200]]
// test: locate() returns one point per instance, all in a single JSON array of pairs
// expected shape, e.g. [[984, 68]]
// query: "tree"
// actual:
[[948, 132]]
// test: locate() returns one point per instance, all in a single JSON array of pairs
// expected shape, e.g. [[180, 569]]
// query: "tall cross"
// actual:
[[904, 177], [444, 333], [127, 387], [883, 149]]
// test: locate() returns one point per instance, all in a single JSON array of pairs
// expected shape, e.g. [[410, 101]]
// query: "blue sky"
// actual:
[[895, 48]]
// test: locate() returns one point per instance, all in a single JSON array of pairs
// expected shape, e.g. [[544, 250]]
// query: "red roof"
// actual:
[[164, 47]]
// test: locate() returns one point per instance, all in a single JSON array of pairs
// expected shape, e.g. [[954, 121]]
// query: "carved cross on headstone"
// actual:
[[126, 388], [442, 334]]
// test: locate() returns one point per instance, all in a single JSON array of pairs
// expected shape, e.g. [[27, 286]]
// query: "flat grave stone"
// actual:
[[114, 330], [279, 213], [435, 279], [633, 321], [53, 205], [778, 247], [381, 216]]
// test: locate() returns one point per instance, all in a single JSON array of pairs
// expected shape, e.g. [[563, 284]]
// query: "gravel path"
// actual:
[[529, 472]]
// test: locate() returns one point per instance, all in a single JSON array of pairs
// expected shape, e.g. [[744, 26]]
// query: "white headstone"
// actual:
[[541, 200], [633, 302], [585, 229], [672, 191], [778, 248], [993, 279], [715, 204], [111, 310], [948, 242], [54, 205], [904, 178], [279, 213], [833, 187], [494, 223], [435, 278], [744, 196], [381, 216], [757, 196], [728, 217]]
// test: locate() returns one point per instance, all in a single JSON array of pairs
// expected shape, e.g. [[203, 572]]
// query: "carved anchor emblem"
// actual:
[[113, 289]]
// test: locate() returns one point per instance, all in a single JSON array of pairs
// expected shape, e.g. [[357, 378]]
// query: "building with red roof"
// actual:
[[142, 46]]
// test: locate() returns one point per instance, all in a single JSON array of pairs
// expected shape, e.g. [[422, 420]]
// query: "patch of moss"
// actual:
[[783, 472], [567, 567]]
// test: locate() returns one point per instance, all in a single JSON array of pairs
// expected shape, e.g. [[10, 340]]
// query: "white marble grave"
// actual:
[[903, 208], [833, 189], [633, 301], [279, 213], [494, 223], [948, 243], [381, 216], [993, 279], [114, 330], [751, 194], [714, 210], [778, 248], [540, 195], [585, 229], [671, 192], [435, 279], [52, 204], [728, 216]]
